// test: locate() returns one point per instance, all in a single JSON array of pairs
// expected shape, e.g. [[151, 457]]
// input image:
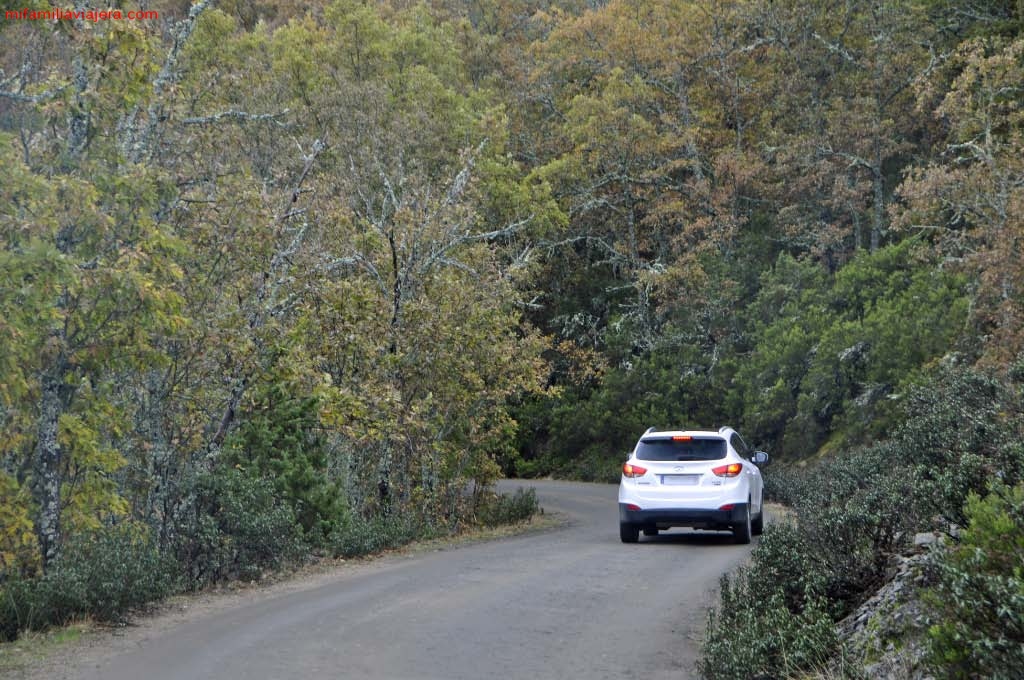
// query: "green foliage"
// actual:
[[19, 549], [962, 432], [103, 574], [977, 607], [788, 316], [858, 508], [587, 433], [494, 509], [278, 441], [234, 527], [771, 621], [776, 617], [355, 255], [852, 512], [358, 537], [828, 355]]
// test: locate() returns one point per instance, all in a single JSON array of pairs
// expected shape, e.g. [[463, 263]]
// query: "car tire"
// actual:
[[741, 530], [629, 533], [757, 525], [651, 531]]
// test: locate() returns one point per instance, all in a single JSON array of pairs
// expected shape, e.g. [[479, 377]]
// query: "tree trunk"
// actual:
[[878, 209], [53, 401]]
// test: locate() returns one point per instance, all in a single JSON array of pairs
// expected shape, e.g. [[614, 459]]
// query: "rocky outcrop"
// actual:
[[885, 635]]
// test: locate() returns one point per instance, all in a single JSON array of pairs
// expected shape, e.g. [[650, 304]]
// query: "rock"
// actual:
[[886, 633]]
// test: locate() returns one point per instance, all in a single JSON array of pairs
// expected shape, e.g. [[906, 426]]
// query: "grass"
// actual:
[[18, 658]]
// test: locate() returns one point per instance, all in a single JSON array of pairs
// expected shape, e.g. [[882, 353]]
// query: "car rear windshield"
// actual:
[[711, 448]]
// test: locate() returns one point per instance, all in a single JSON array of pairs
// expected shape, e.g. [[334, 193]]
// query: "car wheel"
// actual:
[[629, 533], [741, 530], [651, 531], [757, 525]]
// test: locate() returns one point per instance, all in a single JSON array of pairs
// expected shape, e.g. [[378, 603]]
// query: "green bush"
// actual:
[[759, 637], [960, 431], [22, 608], [103, 575], [235, 527], [358, 537], [773, 619], [977, 607], [497, 509], [776, 619], [278, 440], [858, 511]]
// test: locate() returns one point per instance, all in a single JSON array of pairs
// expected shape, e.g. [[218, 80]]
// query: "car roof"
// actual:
[[652, 434]]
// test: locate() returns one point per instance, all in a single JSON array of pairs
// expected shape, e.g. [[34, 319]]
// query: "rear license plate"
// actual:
[[680, 480]]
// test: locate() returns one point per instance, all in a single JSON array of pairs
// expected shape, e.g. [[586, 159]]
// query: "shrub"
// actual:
[[858, 512], [278, 440], [358, 537], [750, 637], [977, 607], [773, 618], [961, 432], [112, 571], [497, 509], [22, 608], [776, 618], [235, 527], [103, 574]]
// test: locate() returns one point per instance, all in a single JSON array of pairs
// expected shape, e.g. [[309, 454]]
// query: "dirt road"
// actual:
[[572, 602]]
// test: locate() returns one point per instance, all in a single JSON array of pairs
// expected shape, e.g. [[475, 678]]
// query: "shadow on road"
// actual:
[[708, 538]]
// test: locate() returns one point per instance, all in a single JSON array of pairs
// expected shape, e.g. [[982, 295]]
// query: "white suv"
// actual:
[[692, 478]]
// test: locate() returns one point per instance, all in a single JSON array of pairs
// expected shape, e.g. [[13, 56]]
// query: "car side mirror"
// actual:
[[760, 458]]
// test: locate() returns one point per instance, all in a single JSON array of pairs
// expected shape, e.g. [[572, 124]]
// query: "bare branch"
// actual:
[[141, 141], [854, 161], [233, 114], [18, 95], [836, 48], [32, 98], [462, 179]]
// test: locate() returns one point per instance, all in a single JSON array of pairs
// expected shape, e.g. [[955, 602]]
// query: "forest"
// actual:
[[284, 279]]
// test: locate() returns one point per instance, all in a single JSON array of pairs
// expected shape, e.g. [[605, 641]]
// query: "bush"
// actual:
[[22, 608], [497, 509], [977, 607], [104, 575], [357, 537], [773, 619], [235, 528], [278, 440], [960, 431], [776, 618], [756, 637], [858, 512]]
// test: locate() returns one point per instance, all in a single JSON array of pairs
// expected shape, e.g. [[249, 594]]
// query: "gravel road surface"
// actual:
[[571, 602]]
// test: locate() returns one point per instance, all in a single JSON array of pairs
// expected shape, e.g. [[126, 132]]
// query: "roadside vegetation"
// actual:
[[280, 281], [954, 467]]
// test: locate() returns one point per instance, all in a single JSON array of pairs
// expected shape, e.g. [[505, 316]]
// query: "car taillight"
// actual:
[[629, 470], [730, 470]]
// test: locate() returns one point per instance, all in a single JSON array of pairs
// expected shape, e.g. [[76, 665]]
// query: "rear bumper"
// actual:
[[684, 517]]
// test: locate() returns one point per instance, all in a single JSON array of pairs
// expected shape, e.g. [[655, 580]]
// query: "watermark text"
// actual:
[[93, 15]]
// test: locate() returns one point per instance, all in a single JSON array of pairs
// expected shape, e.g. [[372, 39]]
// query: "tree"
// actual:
[[969, 201]]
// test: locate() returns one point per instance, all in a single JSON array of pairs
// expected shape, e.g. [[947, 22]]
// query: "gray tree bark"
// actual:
[[54, 399]]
